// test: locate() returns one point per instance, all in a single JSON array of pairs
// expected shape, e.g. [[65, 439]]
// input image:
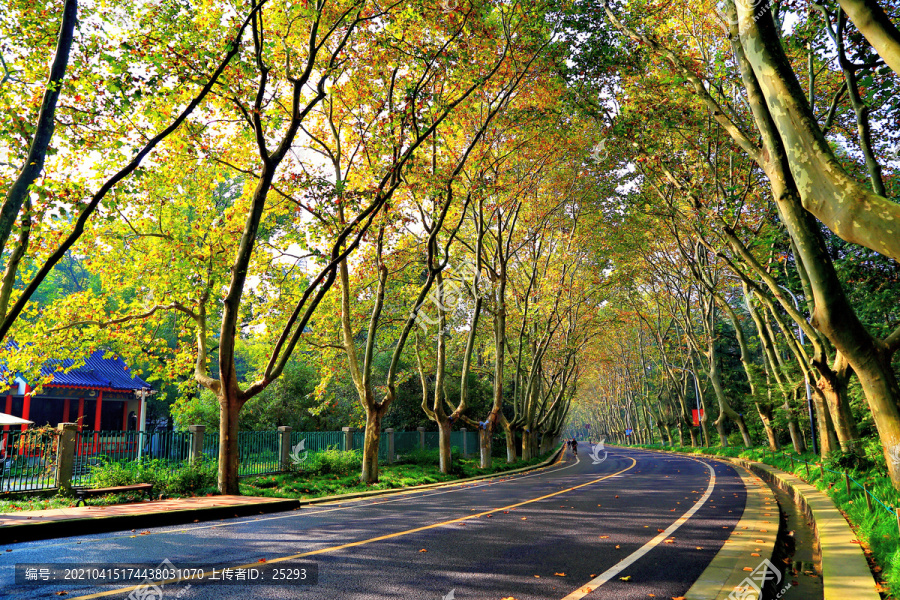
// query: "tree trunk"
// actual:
[[796, 438], [229, 458], [484, 446], [765, 415], [511, 455], [445, 453], [720, 427], [370, 446], [833, 386], [527, 444]]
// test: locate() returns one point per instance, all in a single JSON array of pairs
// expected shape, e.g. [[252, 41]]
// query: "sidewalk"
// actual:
[[63, 522]]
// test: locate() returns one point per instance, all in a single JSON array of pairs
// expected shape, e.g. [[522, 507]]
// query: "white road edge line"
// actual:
[[626, 562]]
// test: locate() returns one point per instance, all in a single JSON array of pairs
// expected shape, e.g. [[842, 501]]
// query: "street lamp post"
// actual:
[[812, 427], [142, 394]]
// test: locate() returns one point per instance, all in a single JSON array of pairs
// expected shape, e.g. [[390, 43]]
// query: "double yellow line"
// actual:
[[367, 541]]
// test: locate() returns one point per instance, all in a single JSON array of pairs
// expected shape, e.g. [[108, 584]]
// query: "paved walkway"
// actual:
[[138, 508]]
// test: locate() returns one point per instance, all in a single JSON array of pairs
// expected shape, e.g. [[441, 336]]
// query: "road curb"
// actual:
[[845, 570], [103, 524]]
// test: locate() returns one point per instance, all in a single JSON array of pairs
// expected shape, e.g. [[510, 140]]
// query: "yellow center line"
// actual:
[[361, 542], [353, 503]]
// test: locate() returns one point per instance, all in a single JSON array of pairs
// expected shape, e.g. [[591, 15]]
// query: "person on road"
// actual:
[[574, 445]]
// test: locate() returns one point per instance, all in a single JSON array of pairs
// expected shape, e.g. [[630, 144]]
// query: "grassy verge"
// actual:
[[332, 472], [876, 530], [322, 474]]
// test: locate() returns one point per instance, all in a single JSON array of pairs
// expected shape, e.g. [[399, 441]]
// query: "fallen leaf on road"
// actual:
[[660, 530], [617, 547], [560, 574], [603, 537], [586, 589], [261, 560], [524, 518], [423, 550], [62, 593], [626, 578]]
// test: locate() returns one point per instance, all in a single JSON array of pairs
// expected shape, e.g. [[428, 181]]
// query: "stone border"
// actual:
[[845, 570]]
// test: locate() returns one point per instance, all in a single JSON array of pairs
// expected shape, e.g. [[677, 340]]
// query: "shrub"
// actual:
[[840, 460], [331, 461], [419, 457], [168, 479]]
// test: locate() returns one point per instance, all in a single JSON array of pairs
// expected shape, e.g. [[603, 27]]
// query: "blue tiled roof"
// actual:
[[96, 372]]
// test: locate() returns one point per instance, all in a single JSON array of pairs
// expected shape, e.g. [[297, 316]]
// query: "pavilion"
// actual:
[[100, 395]]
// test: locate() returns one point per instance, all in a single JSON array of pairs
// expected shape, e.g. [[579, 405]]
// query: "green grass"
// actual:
[[878, 529], [322, 475]]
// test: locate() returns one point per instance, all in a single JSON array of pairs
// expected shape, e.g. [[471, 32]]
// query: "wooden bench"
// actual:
[[83, 493]]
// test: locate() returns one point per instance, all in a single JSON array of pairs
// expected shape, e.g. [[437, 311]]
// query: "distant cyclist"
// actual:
[[574, 445]]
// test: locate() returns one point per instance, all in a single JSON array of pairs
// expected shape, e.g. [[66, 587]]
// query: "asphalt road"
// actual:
[[537, 536]]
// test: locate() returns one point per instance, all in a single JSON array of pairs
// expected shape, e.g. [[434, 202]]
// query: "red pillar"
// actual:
[[124, 415], [26, 406], [80, 419], [65, 411], [8, 409], [97, 412], [97, 420]]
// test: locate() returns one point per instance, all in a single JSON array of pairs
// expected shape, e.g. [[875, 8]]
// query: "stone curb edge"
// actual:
[[101, 524], [845, 570]]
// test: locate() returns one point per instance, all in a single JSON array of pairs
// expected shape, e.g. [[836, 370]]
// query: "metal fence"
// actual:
[[28, 460], [258, 452], [94, 448], [406, 441]]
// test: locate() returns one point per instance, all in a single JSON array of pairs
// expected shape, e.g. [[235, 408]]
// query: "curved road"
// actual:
[[571, 530]]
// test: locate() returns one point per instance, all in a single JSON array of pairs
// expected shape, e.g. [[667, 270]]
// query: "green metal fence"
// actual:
[[406, 441], [29, 457], [259, 452]]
